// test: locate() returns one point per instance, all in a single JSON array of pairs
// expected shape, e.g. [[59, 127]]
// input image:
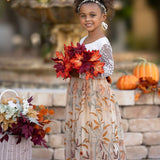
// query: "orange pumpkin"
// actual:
[[127, 82], [146, 69]]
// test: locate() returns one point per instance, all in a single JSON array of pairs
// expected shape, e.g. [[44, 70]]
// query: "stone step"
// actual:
[[57, 97]]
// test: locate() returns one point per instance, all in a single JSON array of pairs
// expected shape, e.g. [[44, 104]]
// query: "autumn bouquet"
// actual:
[[20, 118], [77, 58]]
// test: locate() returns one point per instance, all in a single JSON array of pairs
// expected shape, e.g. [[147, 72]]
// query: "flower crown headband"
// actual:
[[94, 1]]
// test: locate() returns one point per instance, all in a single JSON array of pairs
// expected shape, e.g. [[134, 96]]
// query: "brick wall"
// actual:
[[141, 123]]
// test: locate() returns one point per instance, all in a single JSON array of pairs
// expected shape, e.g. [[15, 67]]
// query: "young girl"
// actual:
[[93, 127]]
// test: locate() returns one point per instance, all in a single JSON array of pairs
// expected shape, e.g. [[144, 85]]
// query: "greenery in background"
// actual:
[[46, 45], [155, 4], [2, 7], [43, 1], [125, 13]]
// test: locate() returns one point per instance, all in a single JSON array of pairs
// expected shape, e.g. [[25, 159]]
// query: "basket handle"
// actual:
[[8, 90]]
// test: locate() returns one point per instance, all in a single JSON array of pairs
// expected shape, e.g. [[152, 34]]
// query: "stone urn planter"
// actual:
[[12, 151]]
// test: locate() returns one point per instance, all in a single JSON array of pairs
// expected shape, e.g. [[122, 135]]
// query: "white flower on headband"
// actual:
[[94, 1]]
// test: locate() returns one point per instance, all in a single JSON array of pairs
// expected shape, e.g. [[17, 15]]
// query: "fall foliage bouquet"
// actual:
[[20, 118], [77, 58]]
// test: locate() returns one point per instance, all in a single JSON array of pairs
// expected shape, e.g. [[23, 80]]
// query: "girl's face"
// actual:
[[91, 16]]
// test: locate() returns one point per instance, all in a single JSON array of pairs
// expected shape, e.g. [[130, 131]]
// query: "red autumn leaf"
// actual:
[[60, 55], [98, 67], [89, 75], [95, 56], [60, 67], [68, 66], [60, 74], [59, 59], [85, 67], [77, 61]]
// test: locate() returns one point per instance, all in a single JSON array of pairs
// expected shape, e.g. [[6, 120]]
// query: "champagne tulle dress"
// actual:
[[93, 127]]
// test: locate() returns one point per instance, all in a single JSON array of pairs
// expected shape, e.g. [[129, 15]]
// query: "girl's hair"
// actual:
[[107, 4]]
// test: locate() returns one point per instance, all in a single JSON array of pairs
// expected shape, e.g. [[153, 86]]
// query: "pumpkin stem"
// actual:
[[142, 59], [122, 71]]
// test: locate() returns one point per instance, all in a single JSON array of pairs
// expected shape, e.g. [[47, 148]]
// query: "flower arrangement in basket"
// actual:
[[20, 118], [78, 59]]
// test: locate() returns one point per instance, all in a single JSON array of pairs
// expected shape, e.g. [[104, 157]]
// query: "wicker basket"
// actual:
[[12, 151]]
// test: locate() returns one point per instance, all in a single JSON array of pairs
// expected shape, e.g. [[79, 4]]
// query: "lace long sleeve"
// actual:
[[107, 58], [105, 49]]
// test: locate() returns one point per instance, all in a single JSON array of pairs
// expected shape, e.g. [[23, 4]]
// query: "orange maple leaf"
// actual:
[[41, 107], [36, 126], [48, 129], [51, 112], [60, 55], [40, 118], [137, 96], [88, 75], [158, 91], [98, 67], [34, 106], [46, 121], [147, 84], [68, 66], [60, 74], [77, 61], [43, 112], [150, 80], [95, 56]]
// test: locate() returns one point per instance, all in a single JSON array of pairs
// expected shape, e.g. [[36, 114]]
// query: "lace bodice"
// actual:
[[105, 49]]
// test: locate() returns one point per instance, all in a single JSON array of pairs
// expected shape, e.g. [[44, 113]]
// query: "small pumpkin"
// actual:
[[127, 82], [145, 69]]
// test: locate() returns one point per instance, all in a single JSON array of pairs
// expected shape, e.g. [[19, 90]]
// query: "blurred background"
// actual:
[[32, 30]]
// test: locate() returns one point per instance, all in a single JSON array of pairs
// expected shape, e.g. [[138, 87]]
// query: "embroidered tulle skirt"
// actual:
[[93, 127]]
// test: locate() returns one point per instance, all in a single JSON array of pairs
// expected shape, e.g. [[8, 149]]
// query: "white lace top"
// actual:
[[105, 49]]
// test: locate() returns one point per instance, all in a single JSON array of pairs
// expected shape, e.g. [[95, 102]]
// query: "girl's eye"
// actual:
[[92, 15], [82, 16]]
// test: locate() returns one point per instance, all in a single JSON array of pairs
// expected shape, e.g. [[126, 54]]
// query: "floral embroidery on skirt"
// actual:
[[93, 127]]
